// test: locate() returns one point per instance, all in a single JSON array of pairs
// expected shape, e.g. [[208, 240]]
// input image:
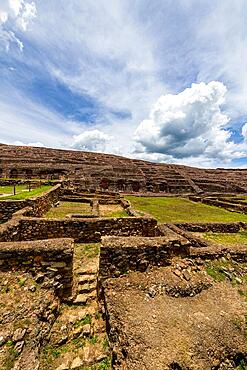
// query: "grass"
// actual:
[[171, 209], [10, 189], [86, 250], [27, 194], [65, 208], [112, 210], [227, 238], [86, 320], [223, 268]]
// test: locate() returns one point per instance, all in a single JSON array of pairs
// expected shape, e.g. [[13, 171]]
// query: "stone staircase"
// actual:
[[86, 284]]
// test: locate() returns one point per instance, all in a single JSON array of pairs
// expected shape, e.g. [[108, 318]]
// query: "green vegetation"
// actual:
[[86, 250], [112, 210], [106, 342], [22, 281], [172, 209], [65, 208], [242, 365], [227, 238], [224, 268], [27, 194], [86, 320], [93, 339], [10, 189]]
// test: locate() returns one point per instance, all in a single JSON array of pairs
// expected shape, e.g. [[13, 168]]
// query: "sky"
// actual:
[[159, 80]]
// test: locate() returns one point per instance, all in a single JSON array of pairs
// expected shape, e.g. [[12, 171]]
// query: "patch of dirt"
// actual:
[[112, 210], [169, 319]]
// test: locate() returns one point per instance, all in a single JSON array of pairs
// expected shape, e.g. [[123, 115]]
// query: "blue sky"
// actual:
[[161, 80]]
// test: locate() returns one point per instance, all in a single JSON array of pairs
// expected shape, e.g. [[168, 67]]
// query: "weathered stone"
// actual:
[[19, 334], [76, 363]]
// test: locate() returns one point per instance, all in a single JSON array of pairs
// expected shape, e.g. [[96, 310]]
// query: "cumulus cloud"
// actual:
[[189, 124], [36, 144], [91, 140], [14, 14]]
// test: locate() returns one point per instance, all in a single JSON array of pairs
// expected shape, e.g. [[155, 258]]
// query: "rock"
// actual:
[[76, 363], [152, 292], [177, 272], [63, 366], [3, 340], [186, 275], [18, 334], [238, 280], [39, 278], [19, 346], [86, 330]]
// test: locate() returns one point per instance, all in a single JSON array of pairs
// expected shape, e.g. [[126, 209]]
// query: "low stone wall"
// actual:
[[39, 204], [81, 230], [7, 208], [226, 205], [53, 258], [215, 251], [217, 227], [44, 202], [120, 255]]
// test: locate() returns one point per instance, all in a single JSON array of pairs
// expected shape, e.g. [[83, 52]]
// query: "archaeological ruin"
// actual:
[[114, 263]]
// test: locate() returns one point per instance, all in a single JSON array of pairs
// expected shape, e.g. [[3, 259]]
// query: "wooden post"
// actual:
[[14, 190]]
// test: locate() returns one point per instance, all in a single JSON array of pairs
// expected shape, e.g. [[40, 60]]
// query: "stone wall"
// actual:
[[220, 227], [81, 230], [39, 204], [120, 255], [52, 258], [8, 207]]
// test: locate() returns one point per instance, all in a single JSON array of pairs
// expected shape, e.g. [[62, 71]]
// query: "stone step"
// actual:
[[87, 288], [82, 299], [89, 269], [83, 279]]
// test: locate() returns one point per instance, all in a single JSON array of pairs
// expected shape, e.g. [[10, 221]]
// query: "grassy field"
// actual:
[[171, 209], [65, 208], [24, 193], [112, 210], [227, 238], [10, 189]]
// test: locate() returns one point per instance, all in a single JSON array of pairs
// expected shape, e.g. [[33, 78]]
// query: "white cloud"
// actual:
[[35, 144], [189, 125], [91, 140], [14, 14]]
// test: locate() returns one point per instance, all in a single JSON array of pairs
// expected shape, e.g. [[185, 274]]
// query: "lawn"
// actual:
[[65, 208], [10, 189], [173, 210], [24, 193], [227, 238], [112, 210]]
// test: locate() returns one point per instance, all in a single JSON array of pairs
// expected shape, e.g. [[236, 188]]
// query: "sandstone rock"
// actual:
[[186, 275], [18, 334], [177, 272], [76, 363], [19, 346]]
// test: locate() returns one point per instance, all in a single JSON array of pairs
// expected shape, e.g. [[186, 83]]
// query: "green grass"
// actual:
[[86, 250], [171, 209], [10, 189], [65, 208], [227, 238], [27, 194]]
